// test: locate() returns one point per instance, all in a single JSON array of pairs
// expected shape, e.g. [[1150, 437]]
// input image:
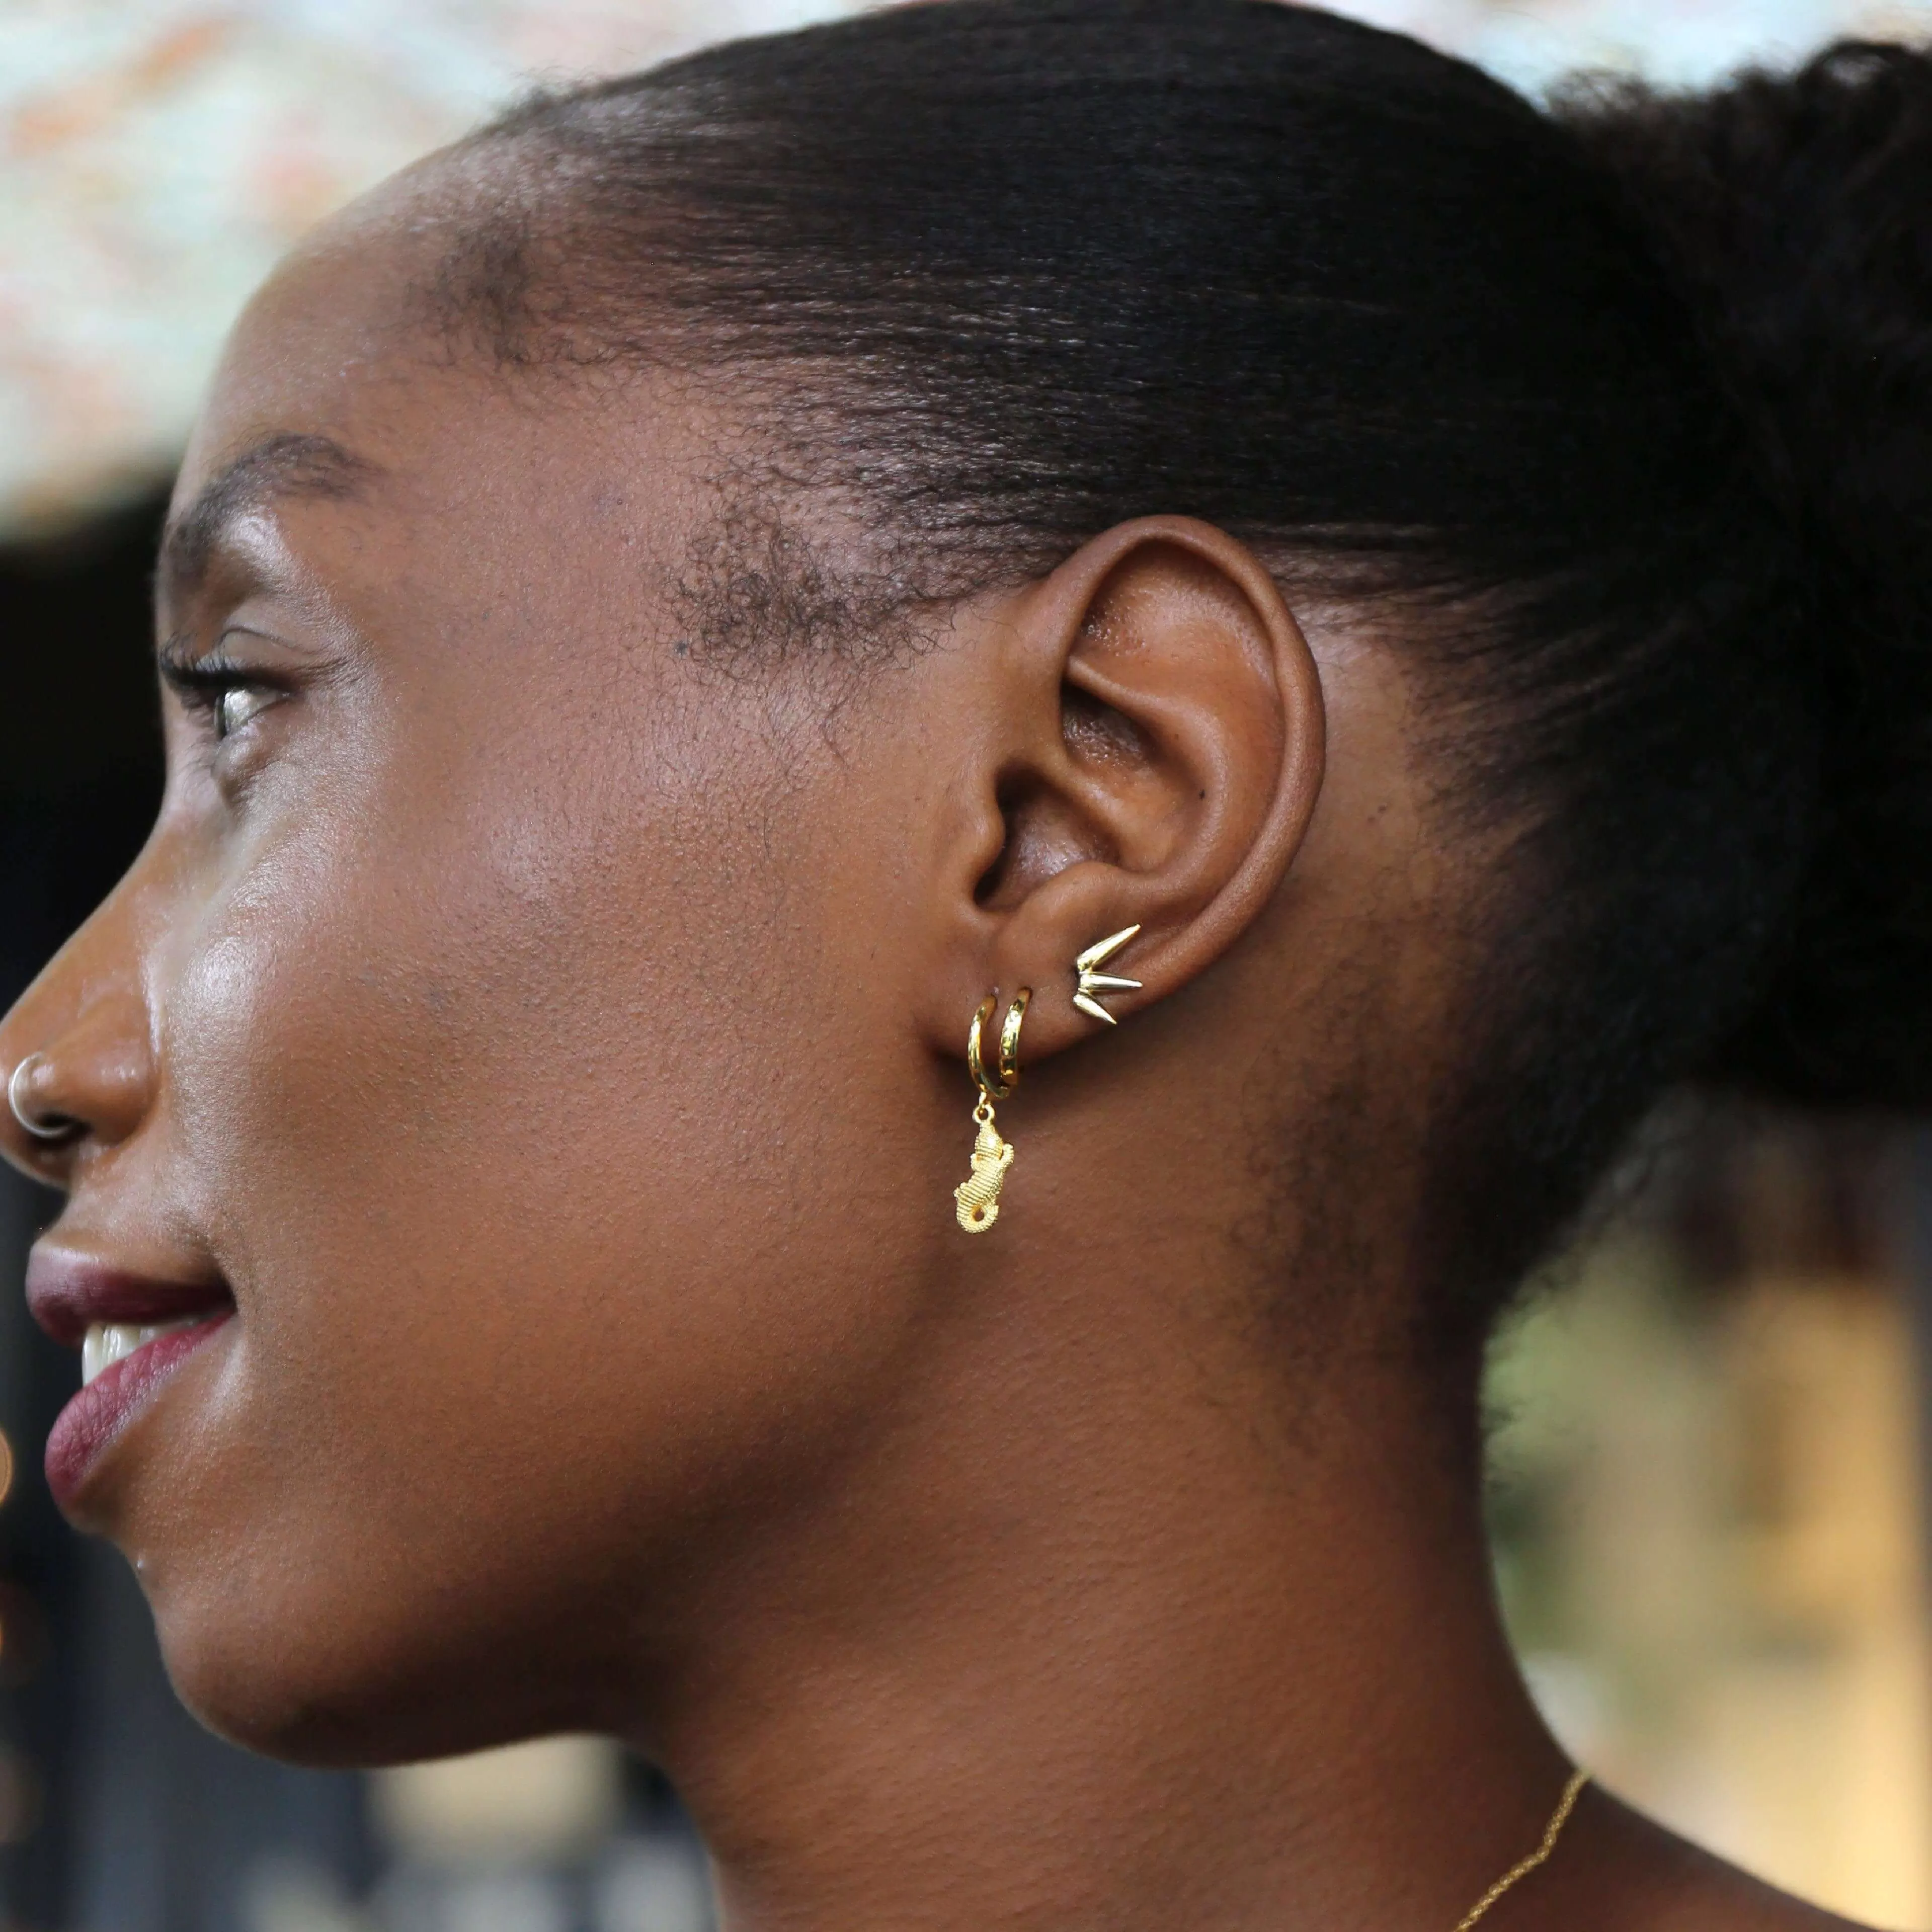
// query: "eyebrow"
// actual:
[[285, 464]]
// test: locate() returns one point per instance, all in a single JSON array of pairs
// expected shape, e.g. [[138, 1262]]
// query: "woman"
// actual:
[[1354, 632]]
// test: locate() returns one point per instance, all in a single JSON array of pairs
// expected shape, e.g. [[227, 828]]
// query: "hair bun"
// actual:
[[1795, 212]]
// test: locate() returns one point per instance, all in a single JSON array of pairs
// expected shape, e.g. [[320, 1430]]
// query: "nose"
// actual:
[[76, 1054]]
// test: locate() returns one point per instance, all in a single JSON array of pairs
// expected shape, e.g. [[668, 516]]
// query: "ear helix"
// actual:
[[977, 1199]]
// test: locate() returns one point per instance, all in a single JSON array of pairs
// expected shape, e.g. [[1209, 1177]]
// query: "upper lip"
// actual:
[[69, 1292]]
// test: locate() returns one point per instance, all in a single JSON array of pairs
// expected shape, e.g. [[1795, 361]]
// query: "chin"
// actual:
[[310, 1679]]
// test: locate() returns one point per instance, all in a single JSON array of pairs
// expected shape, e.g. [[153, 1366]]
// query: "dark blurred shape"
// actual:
[[78, 724], [1758, 1190], [19, 1799], [24, 1636]]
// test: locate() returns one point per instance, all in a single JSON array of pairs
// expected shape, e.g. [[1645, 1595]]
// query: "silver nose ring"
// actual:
[[40, 1129]]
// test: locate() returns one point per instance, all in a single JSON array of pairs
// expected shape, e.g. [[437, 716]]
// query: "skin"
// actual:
[[553, 1040]]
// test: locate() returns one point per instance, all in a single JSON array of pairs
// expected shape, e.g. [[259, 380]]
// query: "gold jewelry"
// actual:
[[1010, 1044], [1522, 1868], [977, 1199], [1094, 982]]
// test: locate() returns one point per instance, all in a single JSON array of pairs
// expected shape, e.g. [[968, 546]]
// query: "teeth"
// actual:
[[108, 1342]]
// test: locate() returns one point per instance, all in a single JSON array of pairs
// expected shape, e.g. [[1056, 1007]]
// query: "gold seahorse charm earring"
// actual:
[[1094, 982], [977, 1197]]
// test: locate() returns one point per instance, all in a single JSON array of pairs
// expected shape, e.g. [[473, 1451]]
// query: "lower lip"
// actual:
[[96, 1416]]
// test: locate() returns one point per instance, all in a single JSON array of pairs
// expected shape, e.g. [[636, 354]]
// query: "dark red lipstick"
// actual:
[[70, 1294]]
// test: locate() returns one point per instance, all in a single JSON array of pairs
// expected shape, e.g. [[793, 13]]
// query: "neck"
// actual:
[[1103, 1650]]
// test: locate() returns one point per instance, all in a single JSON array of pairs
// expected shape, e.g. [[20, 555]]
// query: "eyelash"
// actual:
[[205, 685]]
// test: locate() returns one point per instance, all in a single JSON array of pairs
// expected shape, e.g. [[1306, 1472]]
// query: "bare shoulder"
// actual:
[[1639, 1877]]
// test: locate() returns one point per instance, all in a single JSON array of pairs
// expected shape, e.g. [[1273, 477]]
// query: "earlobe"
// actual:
[[1154, 762]]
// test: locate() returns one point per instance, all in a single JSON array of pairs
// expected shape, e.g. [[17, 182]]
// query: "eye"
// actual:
[[236, 705], [228, 696]]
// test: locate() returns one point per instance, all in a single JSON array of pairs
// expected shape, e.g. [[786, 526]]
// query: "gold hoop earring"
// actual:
[[1010, 1044], [977, 1199]]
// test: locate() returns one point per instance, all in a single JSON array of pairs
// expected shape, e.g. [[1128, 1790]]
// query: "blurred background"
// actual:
[[1709, 1470]]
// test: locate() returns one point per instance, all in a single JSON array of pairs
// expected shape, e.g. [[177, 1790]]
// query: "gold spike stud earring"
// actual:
[[1094, 982], [977, 1199]]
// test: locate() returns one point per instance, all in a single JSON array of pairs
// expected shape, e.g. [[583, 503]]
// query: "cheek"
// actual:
[[523, 1211]]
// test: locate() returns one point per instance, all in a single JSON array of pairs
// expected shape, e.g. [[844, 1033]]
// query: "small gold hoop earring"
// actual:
[[976, 1200], [1010, 1044]]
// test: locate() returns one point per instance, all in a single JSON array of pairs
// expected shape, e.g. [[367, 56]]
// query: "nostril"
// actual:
[[43, 1123]]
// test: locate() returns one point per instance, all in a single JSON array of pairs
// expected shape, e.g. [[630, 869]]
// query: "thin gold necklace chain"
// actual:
[[1522, 1869]]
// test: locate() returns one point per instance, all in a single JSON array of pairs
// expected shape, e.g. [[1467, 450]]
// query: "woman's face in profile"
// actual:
[[499, 963], [527, 1052]]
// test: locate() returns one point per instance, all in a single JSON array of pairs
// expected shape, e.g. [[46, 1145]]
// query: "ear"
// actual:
[[1146, 750]]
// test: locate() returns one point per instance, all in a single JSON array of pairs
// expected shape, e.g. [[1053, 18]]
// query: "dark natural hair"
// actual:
[[1625, 402]]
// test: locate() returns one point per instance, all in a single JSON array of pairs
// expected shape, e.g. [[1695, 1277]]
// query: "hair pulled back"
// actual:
[[1627, 404]]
